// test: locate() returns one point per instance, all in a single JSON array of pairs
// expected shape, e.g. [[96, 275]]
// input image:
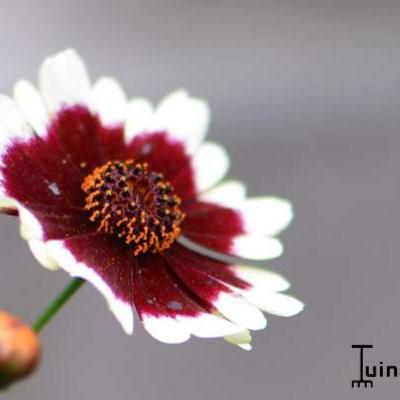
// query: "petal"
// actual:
[[274, 303], [169, 310], [231, 226], [203, 274], [139, 114], [210, 164], [246, 278], [35, 227], [6, 140], [34, 173], [212, 226], [40, 251], [185, 118], [207, 325], [213, 292], [68, 261], [221, 229], [242, 339], [12, 122], [165, 329], [228, 194], [237, 292], [256, 247], [7, 204], [84, 147], [64, 81], [30, 227], [240, 312], [261, 279], [14, 128], [31, 104], [261, 215], [108, 101], [61, 222], [266, 215]]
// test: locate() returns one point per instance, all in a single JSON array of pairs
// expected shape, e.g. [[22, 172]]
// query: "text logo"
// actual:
[[369, 372]]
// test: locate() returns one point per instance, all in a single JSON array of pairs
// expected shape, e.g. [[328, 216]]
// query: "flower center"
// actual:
[[139, 206]]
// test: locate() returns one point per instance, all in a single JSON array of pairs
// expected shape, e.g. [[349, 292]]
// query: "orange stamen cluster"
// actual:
[[138, 206]]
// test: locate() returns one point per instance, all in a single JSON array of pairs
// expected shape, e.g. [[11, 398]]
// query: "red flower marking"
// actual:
[[45, 175]]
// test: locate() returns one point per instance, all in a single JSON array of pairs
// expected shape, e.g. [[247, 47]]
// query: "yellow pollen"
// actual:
[[135, 204]]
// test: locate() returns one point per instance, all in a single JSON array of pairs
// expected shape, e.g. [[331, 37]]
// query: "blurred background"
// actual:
[[305, 96]]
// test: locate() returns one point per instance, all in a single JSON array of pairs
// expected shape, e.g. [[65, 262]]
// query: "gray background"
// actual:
[[305, 96]]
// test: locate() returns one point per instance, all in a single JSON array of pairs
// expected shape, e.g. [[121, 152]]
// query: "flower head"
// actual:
[[19, 349], [105, 187]]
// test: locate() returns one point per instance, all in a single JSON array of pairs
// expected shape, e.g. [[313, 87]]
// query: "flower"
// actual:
[[19, 349], [105, 188]]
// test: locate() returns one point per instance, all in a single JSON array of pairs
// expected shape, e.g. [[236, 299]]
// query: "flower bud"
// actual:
[[19, 349]]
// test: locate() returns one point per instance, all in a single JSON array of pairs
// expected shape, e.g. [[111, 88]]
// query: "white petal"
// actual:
[[266, 215], [139, 114], [245, 346], [13, 128], [185, 118], [210, 164], [261, 279], [242, 339], [66, 260], [165, 329], [240, 312], [228, 194], [31, 104], [274, 303], [12, 122], [7, 202], [108, 100], [256, 247], [208, 325], [30, 227], [64, 81], [39, 250]]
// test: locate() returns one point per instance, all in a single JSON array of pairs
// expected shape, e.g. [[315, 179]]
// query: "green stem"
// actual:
[[57, 304]]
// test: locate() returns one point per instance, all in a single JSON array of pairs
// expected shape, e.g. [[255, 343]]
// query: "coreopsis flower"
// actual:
[[19, 349], [106, 187]]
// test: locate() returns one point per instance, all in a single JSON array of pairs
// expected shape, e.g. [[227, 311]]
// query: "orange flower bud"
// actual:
[[19, 349]]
